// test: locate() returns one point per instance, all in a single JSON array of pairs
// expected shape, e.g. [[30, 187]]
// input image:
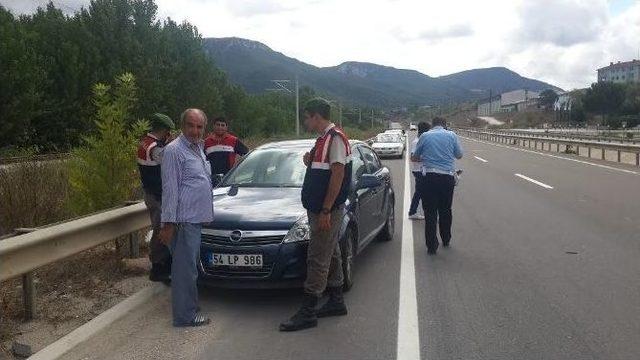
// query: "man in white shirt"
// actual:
[[416, 170]]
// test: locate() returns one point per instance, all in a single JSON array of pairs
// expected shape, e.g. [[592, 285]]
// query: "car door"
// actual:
[[377, 202], [364, 198]]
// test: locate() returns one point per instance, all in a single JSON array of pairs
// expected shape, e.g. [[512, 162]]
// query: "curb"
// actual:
[[100, 322]]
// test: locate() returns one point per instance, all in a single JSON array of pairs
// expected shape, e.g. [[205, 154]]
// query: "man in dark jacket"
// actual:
[[149, 157]]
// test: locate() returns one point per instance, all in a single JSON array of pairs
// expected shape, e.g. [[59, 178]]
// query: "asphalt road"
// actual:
[[543, 265]]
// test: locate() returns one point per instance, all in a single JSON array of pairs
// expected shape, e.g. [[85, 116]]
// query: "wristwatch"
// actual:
[[325, 211]]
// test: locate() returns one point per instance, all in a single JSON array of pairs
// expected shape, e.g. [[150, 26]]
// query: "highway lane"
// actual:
[[533, 273]]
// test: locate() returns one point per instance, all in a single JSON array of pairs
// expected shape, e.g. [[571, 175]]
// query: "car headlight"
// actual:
[[299, 232]]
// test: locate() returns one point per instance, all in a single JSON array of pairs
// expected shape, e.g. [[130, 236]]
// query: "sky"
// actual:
[[562, 42]]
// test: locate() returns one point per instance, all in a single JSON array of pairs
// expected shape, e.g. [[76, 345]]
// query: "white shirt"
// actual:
[[416, 166], [337, 149]]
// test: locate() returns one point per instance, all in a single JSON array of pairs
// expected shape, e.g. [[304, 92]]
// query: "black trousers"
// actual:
[[436, 191], [415, 201]]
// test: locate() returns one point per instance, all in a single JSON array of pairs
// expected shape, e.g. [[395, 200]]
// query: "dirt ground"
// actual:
[[69, 294]]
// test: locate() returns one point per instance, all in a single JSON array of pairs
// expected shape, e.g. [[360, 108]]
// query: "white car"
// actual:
[[397, 132], [389, 145]]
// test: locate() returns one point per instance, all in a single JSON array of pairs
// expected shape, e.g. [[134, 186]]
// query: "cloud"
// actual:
[[30, 6], [561, 22], [249, 8], [454, 31]]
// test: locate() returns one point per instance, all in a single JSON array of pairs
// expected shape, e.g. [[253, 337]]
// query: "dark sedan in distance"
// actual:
[[260, 232]]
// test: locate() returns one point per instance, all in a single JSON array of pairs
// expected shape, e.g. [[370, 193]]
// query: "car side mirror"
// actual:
[[368, 181], [217, 178]]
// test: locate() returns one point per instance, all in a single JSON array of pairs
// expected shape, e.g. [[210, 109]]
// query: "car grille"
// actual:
[[237, 271], [226, 240]]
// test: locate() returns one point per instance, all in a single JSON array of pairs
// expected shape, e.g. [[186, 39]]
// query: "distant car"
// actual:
[[389, 144], [260, 231], [413, 127]]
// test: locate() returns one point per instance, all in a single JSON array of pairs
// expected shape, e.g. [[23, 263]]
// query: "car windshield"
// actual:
[[269, 168], [388, 138]]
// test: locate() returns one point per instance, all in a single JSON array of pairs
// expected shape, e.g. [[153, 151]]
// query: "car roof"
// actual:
[[298, 144]]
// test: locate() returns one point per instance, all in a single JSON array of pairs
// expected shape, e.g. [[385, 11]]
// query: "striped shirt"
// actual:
[[187, 196]]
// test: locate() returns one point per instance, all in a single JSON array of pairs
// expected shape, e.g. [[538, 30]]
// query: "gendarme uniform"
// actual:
[[149, 164], [316, 180], [149, 158], [223, 151]]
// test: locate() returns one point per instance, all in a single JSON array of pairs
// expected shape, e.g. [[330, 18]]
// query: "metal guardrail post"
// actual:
[[28, 286], [29, 296], [134, 245]]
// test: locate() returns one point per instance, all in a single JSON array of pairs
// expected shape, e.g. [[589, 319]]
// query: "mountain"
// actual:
[[253, 65], [496, 79]]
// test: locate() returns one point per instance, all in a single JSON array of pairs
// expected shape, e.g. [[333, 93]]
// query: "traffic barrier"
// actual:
[[561, 143], [30, 249]]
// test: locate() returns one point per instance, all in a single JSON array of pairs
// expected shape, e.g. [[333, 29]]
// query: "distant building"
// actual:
[[512, 101], [620, 72]]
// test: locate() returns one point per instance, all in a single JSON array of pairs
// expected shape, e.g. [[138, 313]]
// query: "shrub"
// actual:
[[103, 173], [32, 194]]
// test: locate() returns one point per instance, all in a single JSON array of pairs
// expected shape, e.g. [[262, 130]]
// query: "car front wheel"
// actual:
[[347, 253], [390, 224]]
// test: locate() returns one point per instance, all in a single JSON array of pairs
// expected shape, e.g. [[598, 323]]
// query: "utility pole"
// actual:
[[340, 108], [490, 102], [372, 118], [283, 85], [359, 116], [297, 108]]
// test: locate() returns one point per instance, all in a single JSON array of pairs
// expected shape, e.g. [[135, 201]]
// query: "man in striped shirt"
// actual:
[[187, 203]]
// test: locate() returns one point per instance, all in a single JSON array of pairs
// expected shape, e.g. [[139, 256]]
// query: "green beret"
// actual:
[[318, 106], [161, 121]]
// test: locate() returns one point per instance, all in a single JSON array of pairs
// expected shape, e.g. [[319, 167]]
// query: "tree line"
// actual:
[[50, 62]]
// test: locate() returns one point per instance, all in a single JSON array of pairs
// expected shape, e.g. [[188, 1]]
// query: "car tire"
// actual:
[[390, 225], [348, 254]]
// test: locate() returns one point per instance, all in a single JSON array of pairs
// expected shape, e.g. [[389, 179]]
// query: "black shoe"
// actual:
[[335, 305], [432, 251], [160, 273], [305, 317], [446, 243]]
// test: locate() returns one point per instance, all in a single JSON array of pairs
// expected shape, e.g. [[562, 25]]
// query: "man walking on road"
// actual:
[[149, 157], [438, 150], [222, 148], [324, 192], [187, 204], [416, 170]]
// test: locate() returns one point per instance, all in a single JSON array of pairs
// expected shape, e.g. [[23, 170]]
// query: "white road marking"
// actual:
[[554, 156], [408, 328], [481, 159], [534, 181]]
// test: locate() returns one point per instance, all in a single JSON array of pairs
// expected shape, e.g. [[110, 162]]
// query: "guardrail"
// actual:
[[44, 157], [21, 254], [562, 144], [573, 136]]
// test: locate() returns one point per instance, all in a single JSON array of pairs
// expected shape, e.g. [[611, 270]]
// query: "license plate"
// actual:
[[249, 260]]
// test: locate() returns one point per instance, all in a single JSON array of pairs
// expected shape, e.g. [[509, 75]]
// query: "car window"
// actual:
[[371, 159], [358, 166], [389, 138], [269, 167]]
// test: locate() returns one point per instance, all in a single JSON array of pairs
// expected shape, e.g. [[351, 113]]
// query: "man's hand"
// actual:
[[324, 221], [307, 159], [166, 234]]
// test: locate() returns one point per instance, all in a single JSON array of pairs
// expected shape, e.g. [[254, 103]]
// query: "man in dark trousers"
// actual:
[[438, 150], [150, 151], [222, 149], [324, 192], [416, 170]]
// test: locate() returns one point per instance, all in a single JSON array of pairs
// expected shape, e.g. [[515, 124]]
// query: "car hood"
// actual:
[[256, 208]]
